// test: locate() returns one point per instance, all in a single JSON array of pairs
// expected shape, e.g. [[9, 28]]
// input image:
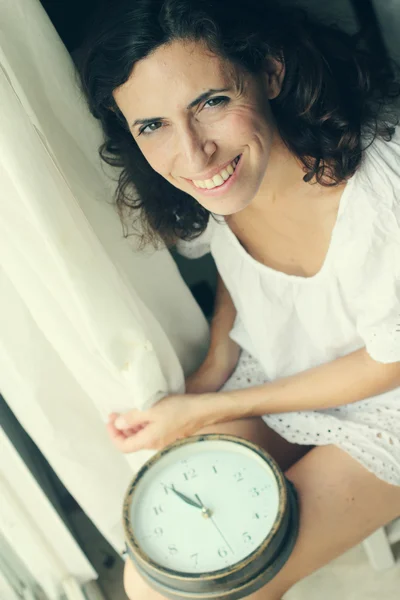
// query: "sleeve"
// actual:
[[199, 246], [378, 311]]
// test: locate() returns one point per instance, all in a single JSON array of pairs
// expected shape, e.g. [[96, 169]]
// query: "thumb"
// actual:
[[143, 440], [130, 419]]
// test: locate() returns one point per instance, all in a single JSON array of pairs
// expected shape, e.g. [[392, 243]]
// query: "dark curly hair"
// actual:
[[335, 93]]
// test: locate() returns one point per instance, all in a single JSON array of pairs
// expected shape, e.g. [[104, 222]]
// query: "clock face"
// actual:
[[204, 506]]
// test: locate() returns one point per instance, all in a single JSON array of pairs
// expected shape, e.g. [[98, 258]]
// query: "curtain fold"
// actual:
[[34, 531], [87, 325]]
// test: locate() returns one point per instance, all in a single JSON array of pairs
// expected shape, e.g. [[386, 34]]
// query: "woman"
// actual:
[[254, 132]]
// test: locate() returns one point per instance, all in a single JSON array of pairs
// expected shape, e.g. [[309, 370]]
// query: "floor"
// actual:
[[349, 577]]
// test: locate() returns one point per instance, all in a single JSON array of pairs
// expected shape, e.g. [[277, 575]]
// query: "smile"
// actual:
[[218, 179], [220, 183]]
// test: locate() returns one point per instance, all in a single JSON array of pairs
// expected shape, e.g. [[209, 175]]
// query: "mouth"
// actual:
[[221, 181]]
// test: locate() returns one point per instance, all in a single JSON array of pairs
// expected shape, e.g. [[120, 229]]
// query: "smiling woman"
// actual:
[[199, 99], [283, 131]]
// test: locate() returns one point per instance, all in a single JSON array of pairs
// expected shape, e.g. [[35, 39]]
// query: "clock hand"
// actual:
[[207, 512], [185, 498]]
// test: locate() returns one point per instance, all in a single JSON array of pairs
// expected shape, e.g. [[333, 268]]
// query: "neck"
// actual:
[[283, 180]]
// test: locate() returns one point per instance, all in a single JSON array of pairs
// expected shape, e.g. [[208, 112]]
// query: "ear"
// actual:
[[274, 74]]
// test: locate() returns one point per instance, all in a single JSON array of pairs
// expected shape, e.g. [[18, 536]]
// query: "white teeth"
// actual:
[[218, 179]]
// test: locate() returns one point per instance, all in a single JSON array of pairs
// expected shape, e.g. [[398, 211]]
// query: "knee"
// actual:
[[129, 579], [136, 587]]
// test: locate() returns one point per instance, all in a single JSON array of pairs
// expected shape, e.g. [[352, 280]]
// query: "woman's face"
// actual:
[[205, 128]]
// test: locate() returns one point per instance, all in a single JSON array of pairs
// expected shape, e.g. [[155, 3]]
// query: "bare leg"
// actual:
[[341, 503], [257, 431]]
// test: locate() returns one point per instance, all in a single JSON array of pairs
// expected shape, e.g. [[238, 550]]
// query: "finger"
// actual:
[[130, 420], [112, 418], [111, 422], [146, 439], [127, 441], [116, 435], [143, 440]]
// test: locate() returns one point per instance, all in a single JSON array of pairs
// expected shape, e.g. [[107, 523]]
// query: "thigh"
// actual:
[[341, 503], [257, 431], [253, 430]]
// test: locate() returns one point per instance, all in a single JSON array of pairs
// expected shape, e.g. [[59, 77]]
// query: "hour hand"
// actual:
[[206, 511], [185, 498]]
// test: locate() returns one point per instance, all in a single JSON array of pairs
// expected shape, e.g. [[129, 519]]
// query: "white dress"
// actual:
[[286, 324]]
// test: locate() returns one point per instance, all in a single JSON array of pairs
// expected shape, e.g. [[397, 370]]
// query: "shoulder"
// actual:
[[379, 173], [370, 229], [372, 207], [370, 256]]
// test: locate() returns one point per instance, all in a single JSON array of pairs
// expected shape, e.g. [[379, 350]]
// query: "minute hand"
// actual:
[[215, 525]]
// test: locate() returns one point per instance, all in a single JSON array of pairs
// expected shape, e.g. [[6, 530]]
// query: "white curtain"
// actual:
[[87, 325], [35, 545]]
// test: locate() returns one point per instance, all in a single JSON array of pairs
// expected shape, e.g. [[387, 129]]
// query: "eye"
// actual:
[[151, 126], [217, 101], [211, 103]]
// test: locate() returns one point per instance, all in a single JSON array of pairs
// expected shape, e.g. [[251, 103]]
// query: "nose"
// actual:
[[196, 149]]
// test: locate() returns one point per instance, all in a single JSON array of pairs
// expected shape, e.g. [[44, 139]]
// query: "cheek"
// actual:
[[238, 126], [244, 126]]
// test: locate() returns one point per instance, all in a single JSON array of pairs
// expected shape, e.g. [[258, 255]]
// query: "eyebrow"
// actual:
[[195, 102]]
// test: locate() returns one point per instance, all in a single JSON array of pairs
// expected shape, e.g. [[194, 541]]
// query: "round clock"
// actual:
[[210, 516]]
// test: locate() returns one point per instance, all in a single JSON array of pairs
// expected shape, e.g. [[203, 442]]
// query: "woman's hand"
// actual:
[[178, 416], [173, 417]]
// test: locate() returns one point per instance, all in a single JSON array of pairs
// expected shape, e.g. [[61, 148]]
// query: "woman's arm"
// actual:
[[223, 353], [348, 379], [343, 381]]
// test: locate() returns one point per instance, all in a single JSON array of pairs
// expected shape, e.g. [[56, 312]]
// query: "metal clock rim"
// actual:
[[142, 558], [246, 587]]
